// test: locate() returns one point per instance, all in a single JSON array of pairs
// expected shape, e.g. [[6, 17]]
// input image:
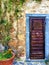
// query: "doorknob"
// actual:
[[37, 34]]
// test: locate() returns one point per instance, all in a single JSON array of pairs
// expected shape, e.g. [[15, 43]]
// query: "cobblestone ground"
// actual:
[[29, 63]]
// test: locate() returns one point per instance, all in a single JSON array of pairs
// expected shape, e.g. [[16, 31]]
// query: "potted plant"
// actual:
[[7, 57]]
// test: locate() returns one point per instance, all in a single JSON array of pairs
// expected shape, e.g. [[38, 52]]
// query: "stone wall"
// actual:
[[30, 7], [18, 32]]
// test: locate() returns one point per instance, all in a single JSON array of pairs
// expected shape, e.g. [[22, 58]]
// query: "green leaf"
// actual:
[[21, 2], [8, 55], [9, 6], [7, 38], [4, 22]]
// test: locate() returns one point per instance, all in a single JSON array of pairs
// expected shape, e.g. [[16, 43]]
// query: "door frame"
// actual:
[[46, 36]]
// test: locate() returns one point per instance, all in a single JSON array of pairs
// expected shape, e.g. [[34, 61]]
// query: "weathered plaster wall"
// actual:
[[33, 8]]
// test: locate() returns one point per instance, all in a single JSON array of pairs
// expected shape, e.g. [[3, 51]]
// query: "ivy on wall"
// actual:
[[8, 6]]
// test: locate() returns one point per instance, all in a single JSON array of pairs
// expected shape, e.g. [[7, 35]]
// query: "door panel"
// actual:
[[37, 38]]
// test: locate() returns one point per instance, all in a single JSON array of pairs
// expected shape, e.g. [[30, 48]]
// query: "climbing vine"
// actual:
[[6, 7]]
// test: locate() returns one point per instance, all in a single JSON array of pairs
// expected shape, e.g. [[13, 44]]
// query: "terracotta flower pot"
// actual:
[[7, 61]]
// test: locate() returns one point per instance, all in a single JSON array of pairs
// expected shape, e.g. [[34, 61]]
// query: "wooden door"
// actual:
[[37, 38]]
